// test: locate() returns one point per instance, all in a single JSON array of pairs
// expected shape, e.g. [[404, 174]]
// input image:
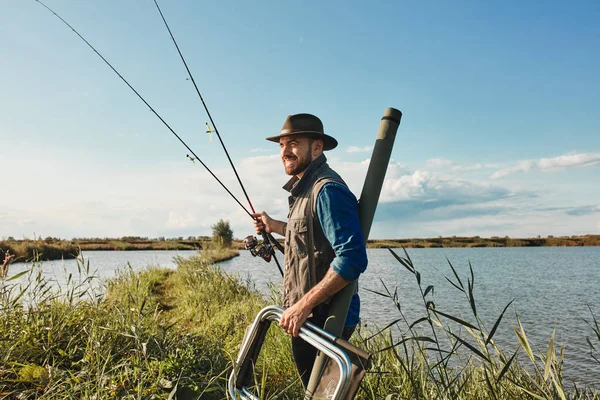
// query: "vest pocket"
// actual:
[[299, 236]]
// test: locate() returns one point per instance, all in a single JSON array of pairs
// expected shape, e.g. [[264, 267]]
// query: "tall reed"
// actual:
[[161, 334], [93, 339], [444, 356]]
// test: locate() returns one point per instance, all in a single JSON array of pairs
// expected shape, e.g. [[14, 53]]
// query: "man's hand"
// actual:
[[293, 318], [262, 221]]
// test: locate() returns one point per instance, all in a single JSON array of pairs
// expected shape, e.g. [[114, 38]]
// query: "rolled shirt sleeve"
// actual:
[[337, 210]]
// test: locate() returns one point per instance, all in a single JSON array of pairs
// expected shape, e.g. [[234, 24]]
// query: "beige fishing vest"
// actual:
[[308, 254]]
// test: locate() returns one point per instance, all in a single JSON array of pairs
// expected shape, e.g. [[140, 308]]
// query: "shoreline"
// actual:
[[56, 249], [494, 241]]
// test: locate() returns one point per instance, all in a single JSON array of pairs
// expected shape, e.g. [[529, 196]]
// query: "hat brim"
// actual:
[[329, 143]]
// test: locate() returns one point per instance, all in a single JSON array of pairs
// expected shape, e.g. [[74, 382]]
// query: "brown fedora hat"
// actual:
[[305, 125]]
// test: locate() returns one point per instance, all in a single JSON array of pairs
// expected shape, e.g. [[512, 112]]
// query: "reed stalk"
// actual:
[[161, 334]]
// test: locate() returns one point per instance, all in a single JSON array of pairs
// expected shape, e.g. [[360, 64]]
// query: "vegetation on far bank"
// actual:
[[494, 241], [53, 248], [49, 249], [159, 333]]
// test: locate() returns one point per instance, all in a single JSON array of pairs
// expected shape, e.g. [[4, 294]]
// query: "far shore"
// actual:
[[494, 241], [53, 248]]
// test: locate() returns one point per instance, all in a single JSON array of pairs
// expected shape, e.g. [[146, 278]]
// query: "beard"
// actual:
[[296, 164]]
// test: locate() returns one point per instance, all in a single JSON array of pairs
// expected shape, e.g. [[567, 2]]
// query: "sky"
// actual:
[[500, 134]]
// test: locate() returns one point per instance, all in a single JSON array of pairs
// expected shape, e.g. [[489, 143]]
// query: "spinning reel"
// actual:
[[263, 249]]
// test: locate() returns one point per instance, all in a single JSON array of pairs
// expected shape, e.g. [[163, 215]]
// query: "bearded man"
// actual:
[[325, 248]]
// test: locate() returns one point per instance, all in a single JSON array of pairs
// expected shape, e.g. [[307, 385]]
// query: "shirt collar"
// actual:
[[298, 184]]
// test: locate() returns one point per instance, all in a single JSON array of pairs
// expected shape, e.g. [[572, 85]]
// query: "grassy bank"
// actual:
[[137, 243], [157, 333], [146, 335], [28, 250], [55, 249]]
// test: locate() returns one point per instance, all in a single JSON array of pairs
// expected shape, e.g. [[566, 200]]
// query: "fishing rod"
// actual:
[[267, 237], [151, 109]]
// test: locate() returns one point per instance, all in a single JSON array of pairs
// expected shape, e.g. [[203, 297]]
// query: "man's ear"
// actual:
[[317, 146]]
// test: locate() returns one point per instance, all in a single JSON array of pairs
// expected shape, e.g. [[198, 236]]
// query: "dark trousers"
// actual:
[[305, 354]]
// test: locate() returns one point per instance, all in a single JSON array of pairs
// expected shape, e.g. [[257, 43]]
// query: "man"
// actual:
[[325, 248]]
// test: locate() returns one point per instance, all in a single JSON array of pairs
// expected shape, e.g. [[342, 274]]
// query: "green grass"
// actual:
[[145, 335], [160, 333]]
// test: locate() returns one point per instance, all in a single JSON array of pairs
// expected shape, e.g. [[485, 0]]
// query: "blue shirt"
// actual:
[[337, 210]]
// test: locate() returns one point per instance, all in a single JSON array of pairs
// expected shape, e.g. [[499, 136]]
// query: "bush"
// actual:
[[222, 233]]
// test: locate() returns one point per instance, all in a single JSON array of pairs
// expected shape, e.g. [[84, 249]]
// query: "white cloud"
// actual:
[[444, 164], [406, 186], [473, 167], [567, 161], [516, 216], [356, 149], [521, 166], [551, 164], [177, 220], [438, 162], [402, 184], [177, 199]]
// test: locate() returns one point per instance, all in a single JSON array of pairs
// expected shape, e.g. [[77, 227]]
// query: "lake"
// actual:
[[551, 288]]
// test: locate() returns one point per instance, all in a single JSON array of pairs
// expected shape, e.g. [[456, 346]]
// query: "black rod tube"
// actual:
[[340, 303]]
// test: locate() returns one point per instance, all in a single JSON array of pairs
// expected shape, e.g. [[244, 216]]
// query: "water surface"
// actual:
[[551, 288]]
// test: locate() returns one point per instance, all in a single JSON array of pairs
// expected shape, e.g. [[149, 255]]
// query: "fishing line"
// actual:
[[266, 236], [214, 126], [149, 106], [270, 237]]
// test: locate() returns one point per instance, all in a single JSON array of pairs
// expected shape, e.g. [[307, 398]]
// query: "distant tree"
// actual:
[[222, 233]]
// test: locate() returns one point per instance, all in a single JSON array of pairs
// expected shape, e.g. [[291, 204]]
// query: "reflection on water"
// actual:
[[551, 287]]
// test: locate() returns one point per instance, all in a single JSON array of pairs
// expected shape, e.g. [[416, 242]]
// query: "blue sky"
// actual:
[[500, 133]]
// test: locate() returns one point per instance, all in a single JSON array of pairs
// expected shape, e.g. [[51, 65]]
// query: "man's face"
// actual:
[[296, 154]]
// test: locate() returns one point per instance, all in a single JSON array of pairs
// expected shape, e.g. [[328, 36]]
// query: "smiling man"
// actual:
[[325, 248]]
